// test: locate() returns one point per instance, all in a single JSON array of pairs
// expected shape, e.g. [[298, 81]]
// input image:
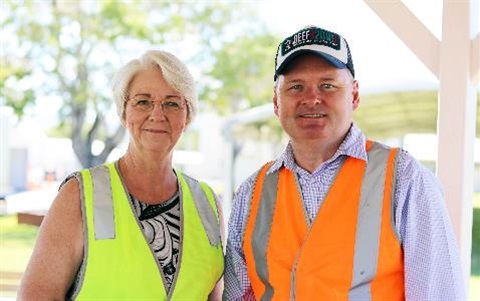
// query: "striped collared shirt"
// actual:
[[432, 262]]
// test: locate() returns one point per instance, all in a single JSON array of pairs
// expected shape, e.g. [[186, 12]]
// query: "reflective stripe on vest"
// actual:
[[368, 224], [118, 261], [343, 254], [103, 217], [204, 201]]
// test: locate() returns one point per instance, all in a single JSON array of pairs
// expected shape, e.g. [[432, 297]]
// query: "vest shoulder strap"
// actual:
[[204, 200], [103, 215]]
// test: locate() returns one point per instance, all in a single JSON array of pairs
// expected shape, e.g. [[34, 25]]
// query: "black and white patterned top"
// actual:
[[162, 229]]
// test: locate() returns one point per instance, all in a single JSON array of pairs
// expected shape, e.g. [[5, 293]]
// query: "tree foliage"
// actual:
[[68, 51], [243, 73]]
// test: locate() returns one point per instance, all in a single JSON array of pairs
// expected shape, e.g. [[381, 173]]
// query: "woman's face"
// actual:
[[155, 113]]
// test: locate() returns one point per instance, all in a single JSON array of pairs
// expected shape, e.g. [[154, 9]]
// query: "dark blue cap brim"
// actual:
[[332, 60]]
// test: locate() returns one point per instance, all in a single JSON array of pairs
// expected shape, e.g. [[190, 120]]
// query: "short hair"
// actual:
[[174, 71]]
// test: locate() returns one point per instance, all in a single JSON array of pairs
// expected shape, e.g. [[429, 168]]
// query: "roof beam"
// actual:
[[403, 23]]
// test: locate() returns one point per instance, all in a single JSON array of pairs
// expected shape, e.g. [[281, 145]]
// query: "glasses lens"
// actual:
[[142, 104], [172, 105]]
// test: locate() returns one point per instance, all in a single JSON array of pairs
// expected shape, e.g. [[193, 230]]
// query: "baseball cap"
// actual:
[[311, 39]]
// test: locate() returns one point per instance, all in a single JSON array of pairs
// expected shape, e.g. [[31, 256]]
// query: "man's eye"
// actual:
[[296, 87], [328, 86]]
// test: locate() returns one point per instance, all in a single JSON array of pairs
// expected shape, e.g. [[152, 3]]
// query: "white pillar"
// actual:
[[456, 120]]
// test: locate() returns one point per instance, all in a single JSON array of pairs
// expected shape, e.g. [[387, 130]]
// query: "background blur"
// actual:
[[57, 59]]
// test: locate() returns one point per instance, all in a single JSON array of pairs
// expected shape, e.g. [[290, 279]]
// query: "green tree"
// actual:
[[241, 78], [68, 51], [243, 73]]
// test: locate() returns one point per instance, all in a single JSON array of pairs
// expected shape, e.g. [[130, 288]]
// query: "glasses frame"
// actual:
[[134, 103]]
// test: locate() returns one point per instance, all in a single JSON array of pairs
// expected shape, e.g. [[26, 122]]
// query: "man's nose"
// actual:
[[312, 96]]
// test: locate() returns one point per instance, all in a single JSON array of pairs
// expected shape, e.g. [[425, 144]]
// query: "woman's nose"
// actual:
[[157, 111]]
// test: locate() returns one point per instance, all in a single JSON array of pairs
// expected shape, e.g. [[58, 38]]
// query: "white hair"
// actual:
[[174, 72]]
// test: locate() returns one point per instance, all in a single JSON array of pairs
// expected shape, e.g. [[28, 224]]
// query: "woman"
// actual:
[[135, 229]]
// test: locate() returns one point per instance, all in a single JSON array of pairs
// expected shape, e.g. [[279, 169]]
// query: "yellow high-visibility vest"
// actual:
[[118, 262]]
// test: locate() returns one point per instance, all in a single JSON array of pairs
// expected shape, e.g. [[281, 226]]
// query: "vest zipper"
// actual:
[[310, 224], [293, 279]]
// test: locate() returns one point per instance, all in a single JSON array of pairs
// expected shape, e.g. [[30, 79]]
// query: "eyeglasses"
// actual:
[[170, 105]]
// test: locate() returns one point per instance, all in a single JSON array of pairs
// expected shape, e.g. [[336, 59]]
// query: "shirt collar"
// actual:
[[353, 146]]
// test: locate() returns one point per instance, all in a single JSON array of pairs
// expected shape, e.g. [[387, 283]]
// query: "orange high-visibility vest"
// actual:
[[350, 251]]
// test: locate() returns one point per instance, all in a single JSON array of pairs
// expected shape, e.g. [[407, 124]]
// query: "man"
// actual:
[[336, 216]]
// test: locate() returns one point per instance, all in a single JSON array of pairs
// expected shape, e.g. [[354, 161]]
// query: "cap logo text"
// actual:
[[311, 36]]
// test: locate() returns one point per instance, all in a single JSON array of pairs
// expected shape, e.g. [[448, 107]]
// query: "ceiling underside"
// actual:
[[388, 115]]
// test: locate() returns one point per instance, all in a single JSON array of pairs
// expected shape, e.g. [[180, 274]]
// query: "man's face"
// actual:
[[315, 101]]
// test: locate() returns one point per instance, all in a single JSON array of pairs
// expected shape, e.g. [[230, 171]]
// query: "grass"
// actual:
[[474, 291], [16, 245], [17, 242], [476, 236]]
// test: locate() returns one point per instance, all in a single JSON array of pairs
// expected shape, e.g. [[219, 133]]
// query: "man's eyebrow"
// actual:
[[329, 79], [299, 80], [293, 80]]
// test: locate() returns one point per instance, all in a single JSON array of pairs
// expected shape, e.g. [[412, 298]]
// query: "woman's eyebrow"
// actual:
[[143, 94]]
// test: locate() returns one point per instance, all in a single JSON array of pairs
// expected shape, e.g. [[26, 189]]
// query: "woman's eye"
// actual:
[[143, 103], [171, 104]]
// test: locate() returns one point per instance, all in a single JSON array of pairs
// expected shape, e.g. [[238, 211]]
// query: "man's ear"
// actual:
[[355, 95]]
